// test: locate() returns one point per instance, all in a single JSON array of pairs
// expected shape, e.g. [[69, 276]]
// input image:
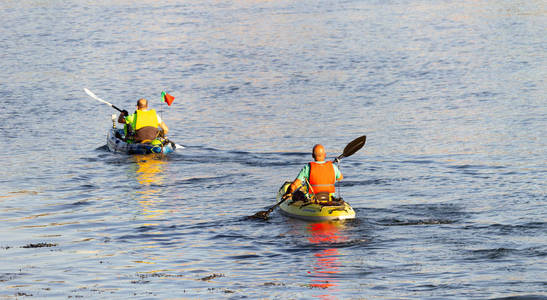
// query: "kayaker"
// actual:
[[142, 125], [319, 174]]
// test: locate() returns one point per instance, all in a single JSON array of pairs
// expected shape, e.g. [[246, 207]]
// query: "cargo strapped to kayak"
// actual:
[[326, 199], [116, 143], [337, 202]]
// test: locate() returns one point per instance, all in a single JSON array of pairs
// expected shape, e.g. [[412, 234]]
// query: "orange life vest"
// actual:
[[322, 177]]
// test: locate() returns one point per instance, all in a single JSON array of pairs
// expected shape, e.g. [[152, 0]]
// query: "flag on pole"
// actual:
[[167, 98]]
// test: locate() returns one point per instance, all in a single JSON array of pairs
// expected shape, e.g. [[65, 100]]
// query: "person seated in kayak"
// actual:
[[142, 126], [319, 174]]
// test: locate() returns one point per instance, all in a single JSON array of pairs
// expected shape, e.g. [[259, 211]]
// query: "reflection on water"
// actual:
[[326, 263], [149, 175]]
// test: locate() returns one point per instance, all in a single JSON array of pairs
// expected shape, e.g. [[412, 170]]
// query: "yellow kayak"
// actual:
[[305, 209]]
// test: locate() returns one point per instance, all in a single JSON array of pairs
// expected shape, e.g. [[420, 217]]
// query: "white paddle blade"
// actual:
[[90, 93]]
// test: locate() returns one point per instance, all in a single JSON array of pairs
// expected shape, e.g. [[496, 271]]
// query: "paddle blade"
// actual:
[[263, 215], [90, 93], [354, 146]]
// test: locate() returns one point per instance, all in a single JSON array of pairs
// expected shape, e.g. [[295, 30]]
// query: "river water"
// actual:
[[449, 191]]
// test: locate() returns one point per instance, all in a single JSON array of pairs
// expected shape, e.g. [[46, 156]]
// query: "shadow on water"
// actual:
[[523, 297], [420, 214], [204, 154]]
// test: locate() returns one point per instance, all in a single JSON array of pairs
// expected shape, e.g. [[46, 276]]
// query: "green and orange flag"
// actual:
[[167, 98]]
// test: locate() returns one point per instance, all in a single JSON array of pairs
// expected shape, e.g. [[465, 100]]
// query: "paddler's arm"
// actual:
[[121, 118], [337, 174], [294, 185], [164, 128], [302, 176]]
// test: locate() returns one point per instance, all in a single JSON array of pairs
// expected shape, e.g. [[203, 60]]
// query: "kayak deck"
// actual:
[[311, 211]]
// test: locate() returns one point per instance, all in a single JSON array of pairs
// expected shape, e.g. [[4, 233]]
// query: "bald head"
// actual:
[[319, 153], [142, 104]]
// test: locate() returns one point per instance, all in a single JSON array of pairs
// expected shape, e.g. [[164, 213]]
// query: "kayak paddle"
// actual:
[[349, 150], [90, 93], [353, 147], [264, 213]]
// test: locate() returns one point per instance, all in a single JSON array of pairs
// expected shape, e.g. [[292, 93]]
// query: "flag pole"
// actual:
[[161, 106]]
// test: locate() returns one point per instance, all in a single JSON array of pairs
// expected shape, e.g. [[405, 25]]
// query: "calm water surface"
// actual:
[[450, 189]]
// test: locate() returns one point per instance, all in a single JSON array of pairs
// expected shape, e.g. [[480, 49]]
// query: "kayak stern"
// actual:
[[311, 211]]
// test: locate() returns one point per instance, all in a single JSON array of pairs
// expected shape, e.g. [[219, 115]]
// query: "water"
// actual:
[[449, 190]]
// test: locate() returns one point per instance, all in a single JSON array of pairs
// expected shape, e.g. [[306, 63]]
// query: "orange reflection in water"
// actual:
[[149, 174], [326, 260], [149, 169]]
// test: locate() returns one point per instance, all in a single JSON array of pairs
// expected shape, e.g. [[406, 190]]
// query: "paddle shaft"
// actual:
[[351, 148], [92, 95], [276, 205]]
